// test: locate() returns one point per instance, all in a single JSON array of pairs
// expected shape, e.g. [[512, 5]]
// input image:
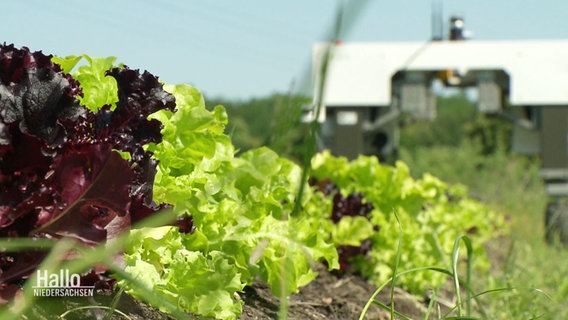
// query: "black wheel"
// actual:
[[556, 222]]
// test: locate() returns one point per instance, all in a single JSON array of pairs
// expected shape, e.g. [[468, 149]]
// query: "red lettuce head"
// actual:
[[60, 175]]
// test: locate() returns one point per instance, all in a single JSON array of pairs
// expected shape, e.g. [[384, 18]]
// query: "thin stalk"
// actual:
[[148, 293], [50, 263], [114, 304], [431, 305], [382, 286], [311, 149], [311, 142], [391, 310], [455, 261], [396, 264], [110, 309], [17, 244], [353, 10]]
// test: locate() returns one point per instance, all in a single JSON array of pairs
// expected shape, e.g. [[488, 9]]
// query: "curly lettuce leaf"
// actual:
[[68, 63], [60, 175], [99, 89], [37, 98], [204, 283], [432, 214], [240, 208]]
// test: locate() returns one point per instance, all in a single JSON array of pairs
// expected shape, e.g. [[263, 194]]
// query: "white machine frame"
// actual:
[[395, 77], [360, 74]]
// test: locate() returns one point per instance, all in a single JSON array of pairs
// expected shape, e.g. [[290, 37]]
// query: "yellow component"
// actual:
[[445, 75]]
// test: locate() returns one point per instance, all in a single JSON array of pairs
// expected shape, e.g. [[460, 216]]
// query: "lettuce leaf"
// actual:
[[432, 214], [61, 174], [241, 213]]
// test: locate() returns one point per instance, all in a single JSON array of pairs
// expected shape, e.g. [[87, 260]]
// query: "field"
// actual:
[[451, 148], [532, 271], [188, 222], [510, 184]]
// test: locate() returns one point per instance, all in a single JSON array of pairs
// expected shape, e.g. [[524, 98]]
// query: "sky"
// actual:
[[239, 49]]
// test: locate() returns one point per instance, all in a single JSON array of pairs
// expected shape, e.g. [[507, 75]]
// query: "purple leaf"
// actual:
[[59, 173], [95, 194]]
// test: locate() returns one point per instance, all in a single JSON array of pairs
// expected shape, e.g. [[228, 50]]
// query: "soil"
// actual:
[[328, 297]]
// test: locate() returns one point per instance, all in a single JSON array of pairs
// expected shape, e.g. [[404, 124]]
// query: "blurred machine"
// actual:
[[369, 85]]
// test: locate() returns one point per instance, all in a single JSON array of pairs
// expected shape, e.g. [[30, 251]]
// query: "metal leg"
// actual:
[[554, 152], [556, 221]]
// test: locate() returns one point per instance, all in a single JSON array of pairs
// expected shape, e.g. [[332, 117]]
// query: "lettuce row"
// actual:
[[431, 213], [240, 208]]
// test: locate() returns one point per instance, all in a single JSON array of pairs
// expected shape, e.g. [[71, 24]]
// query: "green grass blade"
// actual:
[[149, 295], [90, 256], [455, 262], [110, 310], [17, 244], [382, 286], [114, 304], [391, 310], [431, 304], [396, 263], [50, 263]]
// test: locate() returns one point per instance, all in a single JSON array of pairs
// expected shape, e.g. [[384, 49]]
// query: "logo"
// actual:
[[62, 284]]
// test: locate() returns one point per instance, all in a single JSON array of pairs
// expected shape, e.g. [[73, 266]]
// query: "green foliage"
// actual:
[[192, 280], [250, 120], [432, 214], [240, 207], [510, 184], [271, 121], [457, 122], [454, 114], [67, 63], [351, 231], [453, 274], [522, 261], [98, 89], [490, 134]]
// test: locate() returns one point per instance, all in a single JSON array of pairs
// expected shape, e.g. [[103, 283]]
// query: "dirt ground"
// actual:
[[326, 298], [329, 297]]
